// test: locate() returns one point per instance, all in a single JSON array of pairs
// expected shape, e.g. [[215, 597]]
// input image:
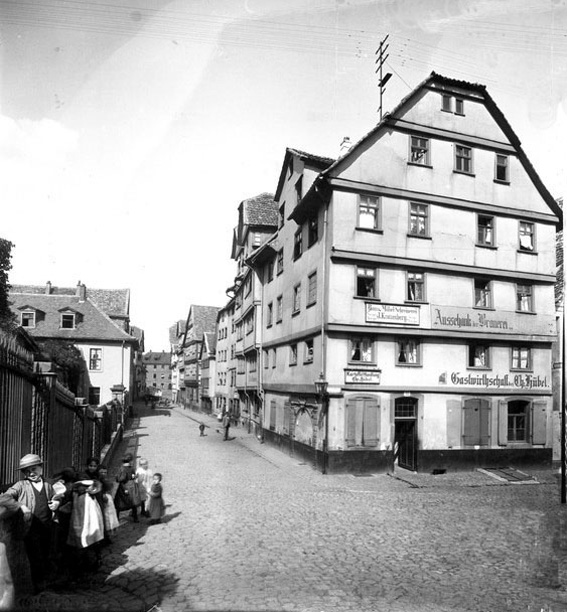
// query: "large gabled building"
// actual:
[[95, 321], [413, 281], [157, 370]]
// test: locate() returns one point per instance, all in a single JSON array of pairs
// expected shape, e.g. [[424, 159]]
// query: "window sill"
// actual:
[[371, 230], [296, 257], [415, 302], [526, 312], [278, 322], [267, 326], [362, 364], [522, 371], [418, 236], [479, 368], [526, 252], [487, 246], [292, 365], [310, 305], [490, 308], [279, 273], [409, 365], [500, 182], [471, 174], [311, 244], [308, 362], [410, 163], [295, 313], [366, 298]]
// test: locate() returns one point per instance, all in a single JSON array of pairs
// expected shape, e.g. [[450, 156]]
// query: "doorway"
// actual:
[[405, 432]]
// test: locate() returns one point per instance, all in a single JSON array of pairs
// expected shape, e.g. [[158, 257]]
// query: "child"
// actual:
[[156, 505], [144, 475], [202, 428]]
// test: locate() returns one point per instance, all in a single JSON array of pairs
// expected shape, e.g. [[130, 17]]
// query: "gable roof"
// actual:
[[317, 162], [261, 210], [92, 324], [200, 319], [156, 358], [498, 116]]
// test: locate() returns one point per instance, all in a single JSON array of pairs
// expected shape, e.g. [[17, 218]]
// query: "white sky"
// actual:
[[130, 130]]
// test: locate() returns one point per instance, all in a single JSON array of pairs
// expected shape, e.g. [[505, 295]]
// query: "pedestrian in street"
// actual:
[[35, 498], [144, 476], [226, 425], [128, 491], [91, 471], [109, 514], [156, 505], [202, 428]]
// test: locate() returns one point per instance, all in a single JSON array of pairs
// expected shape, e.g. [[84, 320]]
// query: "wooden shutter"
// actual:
[[454, 416], [371, 424], [288, 414], [539, 422], [502, 422], [351, 422], [273, 415], [471, 424], [484, 418]]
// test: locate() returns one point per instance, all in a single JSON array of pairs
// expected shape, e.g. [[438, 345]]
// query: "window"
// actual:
[[463, 159], [68, 321], [459, 106], [361, 350], [247, 286], [482, 293], [308, 358], [501, 171], [298, 243], [446, 103], [270, 314], [27, 319], [270, 271], [362, 421], [95, 359], [293, 354], [279, 309], [521, 358], [249, 324], [416, 286], [408, 352], [419, 220], [524, 298], [297, 297], [299, 188], [94, 396], [312, 231], [274, 357], [368, 212], [485, 230], [419, 150], [518, 412], [527, 236], [312, 288], [282, 214], [479, 356], [266, 358], [251, 364], [279, 262], [365, 282]]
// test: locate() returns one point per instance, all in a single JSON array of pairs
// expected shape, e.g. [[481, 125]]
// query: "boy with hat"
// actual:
[[35, 498]]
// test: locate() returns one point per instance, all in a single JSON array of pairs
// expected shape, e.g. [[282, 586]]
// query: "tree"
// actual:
[[69, 358], [7, 319]]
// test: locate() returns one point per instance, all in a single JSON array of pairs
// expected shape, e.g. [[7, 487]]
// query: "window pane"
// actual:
[[485, 230], [365, 282], [419, 150], [526, 236], [416, 287], [524, 298], [418, 219], [408, 351], [501, 167]]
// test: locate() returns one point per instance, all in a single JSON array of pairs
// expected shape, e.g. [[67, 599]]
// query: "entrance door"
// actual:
[[405, 433]]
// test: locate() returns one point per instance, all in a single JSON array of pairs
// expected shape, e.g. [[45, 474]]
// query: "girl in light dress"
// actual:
[[144, 475]]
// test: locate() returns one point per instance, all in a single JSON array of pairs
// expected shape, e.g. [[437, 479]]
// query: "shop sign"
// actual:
[[529, 382], [447, 317], [371, 377], [392, 313]]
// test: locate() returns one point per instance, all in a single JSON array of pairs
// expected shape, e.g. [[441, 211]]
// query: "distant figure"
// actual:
[[226, 425], [202, 428], [156, 505]]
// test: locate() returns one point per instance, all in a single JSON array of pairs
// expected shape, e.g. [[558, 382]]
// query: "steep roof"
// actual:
[[176, 330], [260, 210], [91, 324], [203, 318], [317, 162], [156, 358]]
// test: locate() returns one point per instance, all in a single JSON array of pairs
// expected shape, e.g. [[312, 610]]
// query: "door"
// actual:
[[405, 432]]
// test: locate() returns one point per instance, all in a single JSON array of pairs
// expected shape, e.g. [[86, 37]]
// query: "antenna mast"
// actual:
[[383, 79]]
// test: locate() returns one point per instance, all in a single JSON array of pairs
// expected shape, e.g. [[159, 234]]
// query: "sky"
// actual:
[[131, 130]]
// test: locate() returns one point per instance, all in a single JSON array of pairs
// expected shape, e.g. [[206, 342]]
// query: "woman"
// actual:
[[127, 494]]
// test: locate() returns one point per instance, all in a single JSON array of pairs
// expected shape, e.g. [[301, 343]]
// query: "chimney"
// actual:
[[345, 146], [48, 288], [81, 291]]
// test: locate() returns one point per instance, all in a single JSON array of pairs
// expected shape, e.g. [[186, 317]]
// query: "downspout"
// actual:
[[325, 398]]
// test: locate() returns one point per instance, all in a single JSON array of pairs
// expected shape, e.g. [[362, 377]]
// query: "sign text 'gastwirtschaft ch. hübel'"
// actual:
[[511, 381]]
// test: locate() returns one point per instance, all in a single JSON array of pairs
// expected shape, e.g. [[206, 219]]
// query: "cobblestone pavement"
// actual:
[[249, 528]]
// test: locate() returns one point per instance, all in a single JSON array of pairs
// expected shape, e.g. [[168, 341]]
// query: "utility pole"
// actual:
[[383, 79]]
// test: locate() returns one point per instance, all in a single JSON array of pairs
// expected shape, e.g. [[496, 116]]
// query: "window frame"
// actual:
[[415, 146], [361, 341], [71, 316], [373, 203], [417, 283], [506, 167], [490, 293], [280, 262], [312, 231], [415, 213], [532, 235], [308, 351], [298, 243], [472, 355], [270, 314], [459, 102], [296, 304], [311, 289], [32, 317], [516, 359], [366, 276], [293, 354], [530, 296], [461, 160], [95, 357], [481, 242], [399, 350], [279, 309], [447, 103]]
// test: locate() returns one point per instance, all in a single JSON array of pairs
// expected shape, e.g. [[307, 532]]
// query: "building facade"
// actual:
[[157, 369], [413, 281]]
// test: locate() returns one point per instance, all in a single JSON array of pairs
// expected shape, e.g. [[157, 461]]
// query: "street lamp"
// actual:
[[321, 387]]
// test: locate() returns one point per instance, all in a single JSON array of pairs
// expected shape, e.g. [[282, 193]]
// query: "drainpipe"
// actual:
[[325, 397]]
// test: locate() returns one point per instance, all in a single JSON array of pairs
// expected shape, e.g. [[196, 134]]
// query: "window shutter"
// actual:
[[502, 423], [273, 415], [471, 427], [351, 422], [287, 418], [454, 414], [484, 415], [539, 423], [371, 424]]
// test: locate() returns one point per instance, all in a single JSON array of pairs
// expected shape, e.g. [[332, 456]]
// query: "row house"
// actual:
[[157, 368], [225, 394], [176, 333], [207, 360], [139, 386], [95, 321], [407, 297]]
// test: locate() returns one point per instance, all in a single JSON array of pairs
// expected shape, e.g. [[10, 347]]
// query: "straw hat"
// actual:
[[29, 461]]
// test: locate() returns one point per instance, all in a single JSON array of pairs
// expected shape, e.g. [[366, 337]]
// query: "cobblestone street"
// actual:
[[249, 528]]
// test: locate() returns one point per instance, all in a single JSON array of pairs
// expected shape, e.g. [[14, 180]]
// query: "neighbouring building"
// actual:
[[139, 386], [96, 321], [559, 377], [207, 360], [407, 296], [157, 368], [176, 333]]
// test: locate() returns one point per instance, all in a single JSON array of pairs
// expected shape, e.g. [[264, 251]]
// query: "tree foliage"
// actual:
[[68, 357], [6, 316]]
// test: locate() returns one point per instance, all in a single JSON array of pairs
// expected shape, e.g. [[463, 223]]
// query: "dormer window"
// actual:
[[27, 319], [68, 320]]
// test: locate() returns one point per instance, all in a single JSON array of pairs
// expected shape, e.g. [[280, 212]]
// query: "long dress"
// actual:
[[156, 505], [123, 499]]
